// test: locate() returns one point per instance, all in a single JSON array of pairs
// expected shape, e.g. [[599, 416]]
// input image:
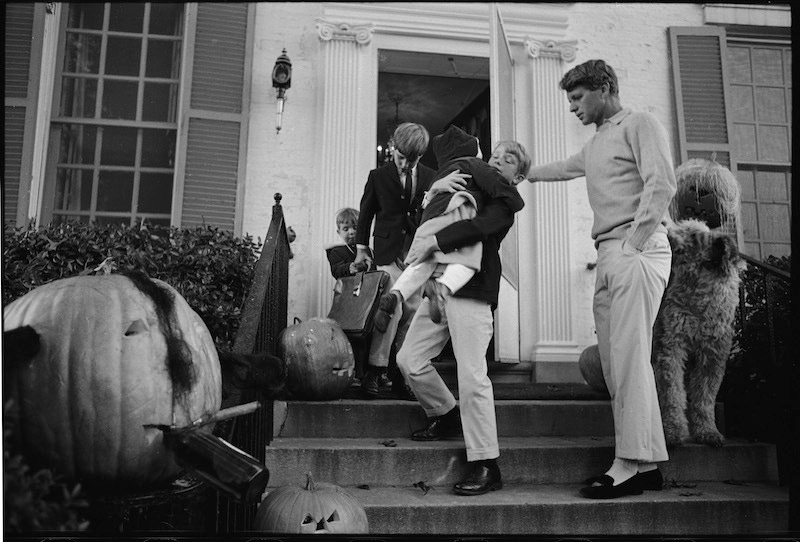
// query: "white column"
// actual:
[[550, 311], [348, 102]]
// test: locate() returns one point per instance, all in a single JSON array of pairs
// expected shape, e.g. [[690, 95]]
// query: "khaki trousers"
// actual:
[[627, 297], [470, 325]]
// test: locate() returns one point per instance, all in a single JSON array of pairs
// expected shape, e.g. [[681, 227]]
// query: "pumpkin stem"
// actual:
[[309, 481]]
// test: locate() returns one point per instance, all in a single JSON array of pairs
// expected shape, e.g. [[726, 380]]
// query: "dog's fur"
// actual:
[[694, 330]]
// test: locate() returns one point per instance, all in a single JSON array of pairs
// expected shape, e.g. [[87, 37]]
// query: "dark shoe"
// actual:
[[383, 380], [483, 478], [631, 486], [444, 426], [386, 307], [369, 384], [433, 291], [402, 390], [650, 480]]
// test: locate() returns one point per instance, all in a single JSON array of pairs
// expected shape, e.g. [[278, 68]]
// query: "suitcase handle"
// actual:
[[357, 289]]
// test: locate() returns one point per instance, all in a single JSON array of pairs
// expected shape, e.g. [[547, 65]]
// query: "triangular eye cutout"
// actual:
[[334, 516], [136, 327], [308, 519], [321, 525]]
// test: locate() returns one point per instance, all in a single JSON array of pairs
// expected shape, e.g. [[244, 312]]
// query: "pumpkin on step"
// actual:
[[319, 359], [591, 368], [319, 508], [113, 353]]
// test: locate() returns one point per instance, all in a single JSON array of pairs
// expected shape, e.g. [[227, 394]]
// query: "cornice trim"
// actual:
[[330, 31], [565, 50]]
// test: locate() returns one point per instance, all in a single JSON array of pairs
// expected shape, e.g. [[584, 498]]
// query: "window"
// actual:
[[760, 77], [115, 119]]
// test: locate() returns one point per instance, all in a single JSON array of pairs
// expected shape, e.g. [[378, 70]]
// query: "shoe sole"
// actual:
[[468, 493], [445, 437], [649, 486]]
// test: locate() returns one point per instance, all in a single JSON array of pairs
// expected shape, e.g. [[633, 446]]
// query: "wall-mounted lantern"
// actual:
[[281, 80]]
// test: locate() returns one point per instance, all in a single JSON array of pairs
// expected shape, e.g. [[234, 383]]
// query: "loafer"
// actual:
[[483, 478], [440, 427], [386, 306], [651, 480], [631, 486], [369, 384]]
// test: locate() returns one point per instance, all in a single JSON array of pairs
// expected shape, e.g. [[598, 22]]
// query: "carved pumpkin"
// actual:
[[316, 509], [319, 359], [592, 369], [115, 353]]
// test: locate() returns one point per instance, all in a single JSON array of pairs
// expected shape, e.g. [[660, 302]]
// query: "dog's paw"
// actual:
[[675, 433], [709, 436]]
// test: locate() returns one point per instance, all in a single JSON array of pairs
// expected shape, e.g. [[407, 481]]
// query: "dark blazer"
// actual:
[[490, 227], [340, 257], [395, 220]]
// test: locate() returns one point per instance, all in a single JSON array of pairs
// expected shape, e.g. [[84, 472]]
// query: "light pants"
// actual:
[[414, 276], [381, 345], [627, 297], [470, 324]]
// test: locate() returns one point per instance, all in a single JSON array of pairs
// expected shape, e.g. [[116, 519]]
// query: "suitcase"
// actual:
[[355, 301]]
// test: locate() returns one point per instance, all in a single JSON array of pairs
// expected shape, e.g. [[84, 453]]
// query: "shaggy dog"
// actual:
[[694, 330]]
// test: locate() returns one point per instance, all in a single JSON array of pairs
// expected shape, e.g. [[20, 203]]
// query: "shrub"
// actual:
[[211, 268]]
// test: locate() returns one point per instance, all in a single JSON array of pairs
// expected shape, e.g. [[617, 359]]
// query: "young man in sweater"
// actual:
[[630, 182]]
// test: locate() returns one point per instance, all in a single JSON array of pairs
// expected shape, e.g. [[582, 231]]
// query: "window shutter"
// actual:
[[217, 114], [701, 93], [19, 99]]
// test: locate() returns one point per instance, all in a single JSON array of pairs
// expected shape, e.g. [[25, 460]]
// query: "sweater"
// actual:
[[629, 174]]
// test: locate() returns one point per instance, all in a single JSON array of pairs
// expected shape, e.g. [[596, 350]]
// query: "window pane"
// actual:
[[82, 53], [749, 221], [767, 66], [112, 220], [773, 222], [86, 16], [158, 148], [739, 62], [126, 17], [155, 193], [166, 19], [119, 147], [123, 55], [787, 63], [159, 102], [742, 104], [157, 221], [744, 141], [772, 186], [114, 191], [119, 100], [78, 97], [771, 105], [63, 219], [746, 182], [773, 143], [73, 190], [77, 144], [162, 59]]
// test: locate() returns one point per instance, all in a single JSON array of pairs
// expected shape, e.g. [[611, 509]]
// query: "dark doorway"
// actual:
[[434, 90]]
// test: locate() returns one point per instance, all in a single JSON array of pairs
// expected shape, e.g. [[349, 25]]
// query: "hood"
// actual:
[[454, 143]]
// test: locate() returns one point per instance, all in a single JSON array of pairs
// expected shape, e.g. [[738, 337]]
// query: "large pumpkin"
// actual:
[[115, 355], [591, 368], [319, 508], [319, 359]]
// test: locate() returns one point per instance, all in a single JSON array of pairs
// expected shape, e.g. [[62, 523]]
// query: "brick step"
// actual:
[[708, 508], [523, 460], [353, 418]]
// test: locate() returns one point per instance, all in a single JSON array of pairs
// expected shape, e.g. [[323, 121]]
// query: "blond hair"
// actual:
[[411, 140], [346, 215], [516, 149]]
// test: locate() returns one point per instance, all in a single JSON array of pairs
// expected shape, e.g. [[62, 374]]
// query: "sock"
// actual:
[[646, 467], [622, 470]]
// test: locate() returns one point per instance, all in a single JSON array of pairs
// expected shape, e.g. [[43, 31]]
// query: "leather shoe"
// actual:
[[386, 306], [483, 478], [606, 489], [433, 291], [651, 480], [369, 384], [444, 426]]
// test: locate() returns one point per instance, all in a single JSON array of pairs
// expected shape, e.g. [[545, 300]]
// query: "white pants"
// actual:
[[413, 278], [381, 345], [627, 296], [470, 324]]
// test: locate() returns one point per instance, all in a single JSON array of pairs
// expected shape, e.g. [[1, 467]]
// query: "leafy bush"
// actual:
[[212, 269]]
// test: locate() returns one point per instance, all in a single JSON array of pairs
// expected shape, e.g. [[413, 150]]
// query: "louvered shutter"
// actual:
[[215, 124], [19, 99], [701, 93]]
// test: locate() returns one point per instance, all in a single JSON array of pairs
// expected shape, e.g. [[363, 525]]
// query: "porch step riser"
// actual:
[[353, 462], [392, 419], [654, 513]]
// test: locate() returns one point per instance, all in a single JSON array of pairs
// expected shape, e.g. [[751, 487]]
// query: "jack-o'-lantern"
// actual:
[[113, 354], [318, 508], [591, 368], [319, 359]]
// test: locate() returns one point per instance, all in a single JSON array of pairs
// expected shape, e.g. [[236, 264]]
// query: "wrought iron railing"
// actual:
[[263, 319], [756, 388]]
